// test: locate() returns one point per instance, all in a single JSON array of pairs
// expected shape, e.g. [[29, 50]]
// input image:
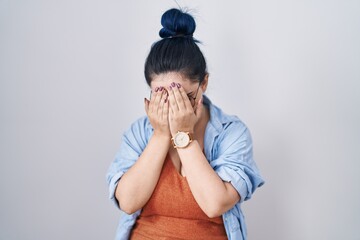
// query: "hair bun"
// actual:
[[176, 23]]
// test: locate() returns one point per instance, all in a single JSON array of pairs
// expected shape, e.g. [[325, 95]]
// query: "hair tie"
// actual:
[[180, 35]]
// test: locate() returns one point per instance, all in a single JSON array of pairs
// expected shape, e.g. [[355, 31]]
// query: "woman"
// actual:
[[183, 170]]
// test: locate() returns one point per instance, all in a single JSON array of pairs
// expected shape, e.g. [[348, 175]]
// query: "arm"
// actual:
[[138, 183], [230, 178], [233, 164], [212, 194]]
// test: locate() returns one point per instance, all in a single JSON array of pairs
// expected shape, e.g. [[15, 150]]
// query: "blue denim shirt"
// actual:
[[228, 148]]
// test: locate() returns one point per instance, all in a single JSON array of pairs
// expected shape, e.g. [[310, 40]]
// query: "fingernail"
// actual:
[[161, 88], [178, 85], [156, 89], [170, 88], [173, 84]]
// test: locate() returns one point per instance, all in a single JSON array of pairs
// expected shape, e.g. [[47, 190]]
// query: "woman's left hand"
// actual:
[[182, 116]]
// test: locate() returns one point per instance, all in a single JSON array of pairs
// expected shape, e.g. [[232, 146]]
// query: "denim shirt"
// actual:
[[228, 148]]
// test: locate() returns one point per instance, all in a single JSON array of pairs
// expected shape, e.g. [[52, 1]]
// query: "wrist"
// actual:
[[191, 146], [162, 135], [190, 131], [182, 139]]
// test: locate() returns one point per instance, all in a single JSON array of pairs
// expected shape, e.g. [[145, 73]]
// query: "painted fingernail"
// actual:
[[156, 89], [161, 88], [170, 88], [178, 85], [173, 84]]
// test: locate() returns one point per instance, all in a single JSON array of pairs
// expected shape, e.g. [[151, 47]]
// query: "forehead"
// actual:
[[165, 79]]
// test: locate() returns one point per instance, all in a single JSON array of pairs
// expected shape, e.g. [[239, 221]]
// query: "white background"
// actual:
[[71, 81]]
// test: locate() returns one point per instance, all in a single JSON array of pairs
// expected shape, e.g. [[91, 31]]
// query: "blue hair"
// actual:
[[178, 50], [176, 22]]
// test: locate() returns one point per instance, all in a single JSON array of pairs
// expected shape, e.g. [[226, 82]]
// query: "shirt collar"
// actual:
[[217, 117]]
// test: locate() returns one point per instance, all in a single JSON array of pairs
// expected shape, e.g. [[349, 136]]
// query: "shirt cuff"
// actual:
[[112, 187], [232, 176]]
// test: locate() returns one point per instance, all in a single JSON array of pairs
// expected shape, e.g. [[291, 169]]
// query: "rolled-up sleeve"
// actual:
[[132, 145], [234, 160]]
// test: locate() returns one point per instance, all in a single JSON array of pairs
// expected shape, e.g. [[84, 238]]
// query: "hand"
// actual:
[[157, 109], [182, 116]]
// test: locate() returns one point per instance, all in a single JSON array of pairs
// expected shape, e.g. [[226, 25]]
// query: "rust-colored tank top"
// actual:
[[173, 213]]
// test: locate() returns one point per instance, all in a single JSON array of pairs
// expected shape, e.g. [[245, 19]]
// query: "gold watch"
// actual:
[[181, 139]]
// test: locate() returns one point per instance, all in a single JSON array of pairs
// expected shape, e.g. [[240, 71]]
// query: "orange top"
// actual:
[[173, 213]]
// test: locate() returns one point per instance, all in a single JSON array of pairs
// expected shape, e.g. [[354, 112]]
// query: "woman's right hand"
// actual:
[[138, 183], [157, 110]]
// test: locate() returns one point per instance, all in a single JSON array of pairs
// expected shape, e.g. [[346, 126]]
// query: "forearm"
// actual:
[[212, 194], [138, 183]]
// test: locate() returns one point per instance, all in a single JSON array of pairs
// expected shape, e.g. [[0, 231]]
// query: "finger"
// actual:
[[171, 113], [162, 102], [152, 97], [165, 110], [159, 100], [154, 100], [172, 101], [167, 96], [199, 108], [146, 103], [179, 98], [185, 98], [170, 109]]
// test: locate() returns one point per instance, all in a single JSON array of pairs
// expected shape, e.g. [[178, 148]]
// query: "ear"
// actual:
[[205, 82]]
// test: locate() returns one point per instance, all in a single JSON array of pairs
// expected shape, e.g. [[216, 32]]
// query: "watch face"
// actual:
[[181, 139]]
